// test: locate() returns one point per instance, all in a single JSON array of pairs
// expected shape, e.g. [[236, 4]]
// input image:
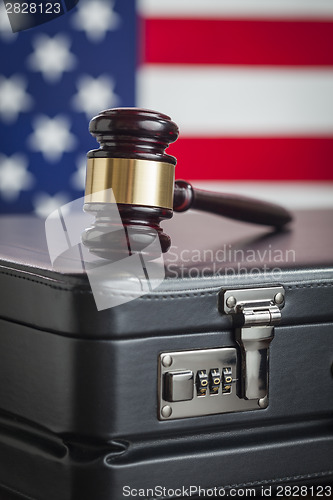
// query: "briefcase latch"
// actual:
[[255, 311]]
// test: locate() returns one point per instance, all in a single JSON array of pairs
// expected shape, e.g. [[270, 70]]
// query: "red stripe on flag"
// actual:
[[252, 158], [242, 42]]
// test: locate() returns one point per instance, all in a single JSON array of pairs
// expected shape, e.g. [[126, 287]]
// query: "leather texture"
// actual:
[[59, 299], [107, 389], [78, 391]]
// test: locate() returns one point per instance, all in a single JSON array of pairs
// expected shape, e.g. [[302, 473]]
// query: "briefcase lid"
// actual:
[[208, 254]]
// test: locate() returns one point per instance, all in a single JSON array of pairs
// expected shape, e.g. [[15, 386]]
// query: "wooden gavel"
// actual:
[[132, 161]]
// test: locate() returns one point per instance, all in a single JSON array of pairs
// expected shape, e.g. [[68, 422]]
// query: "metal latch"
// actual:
[[256, 311]]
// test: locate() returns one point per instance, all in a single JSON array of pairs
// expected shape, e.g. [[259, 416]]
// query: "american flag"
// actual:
[[53, 79], [249, 82]]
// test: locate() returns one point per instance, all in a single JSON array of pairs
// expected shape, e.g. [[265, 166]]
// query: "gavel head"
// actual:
[[132, 169]]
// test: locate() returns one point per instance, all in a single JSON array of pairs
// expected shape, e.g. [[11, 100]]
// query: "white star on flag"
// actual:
[[13, 97], [52, 137], [78, 179], [94, 94], [96, 17], [45, 204], [51, 56], [14, 177]]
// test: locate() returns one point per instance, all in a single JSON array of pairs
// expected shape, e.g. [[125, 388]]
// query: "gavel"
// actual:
[[132, 162]]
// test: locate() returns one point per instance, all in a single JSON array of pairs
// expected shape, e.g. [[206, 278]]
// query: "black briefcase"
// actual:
[[219, 379]]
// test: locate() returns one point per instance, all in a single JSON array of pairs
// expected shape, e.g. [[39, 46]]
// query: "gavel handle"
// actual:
[[229, 205]]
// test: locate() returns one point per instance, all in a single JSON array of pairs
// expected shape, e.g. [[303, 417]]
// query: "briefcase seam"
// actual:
[[23, 495], [280, 480], [207, 293], [309, 285], [76, 290], [157, 296], [236, 485]]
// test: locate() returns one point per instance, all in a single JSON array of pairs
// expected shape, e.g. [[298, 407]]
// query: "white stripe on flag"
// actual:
[[236, 8], [229, 101], [291, 195]]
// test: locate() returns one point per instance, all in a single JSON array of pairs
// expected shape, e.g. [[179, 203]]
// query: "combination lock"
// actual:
[[199, 382]]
